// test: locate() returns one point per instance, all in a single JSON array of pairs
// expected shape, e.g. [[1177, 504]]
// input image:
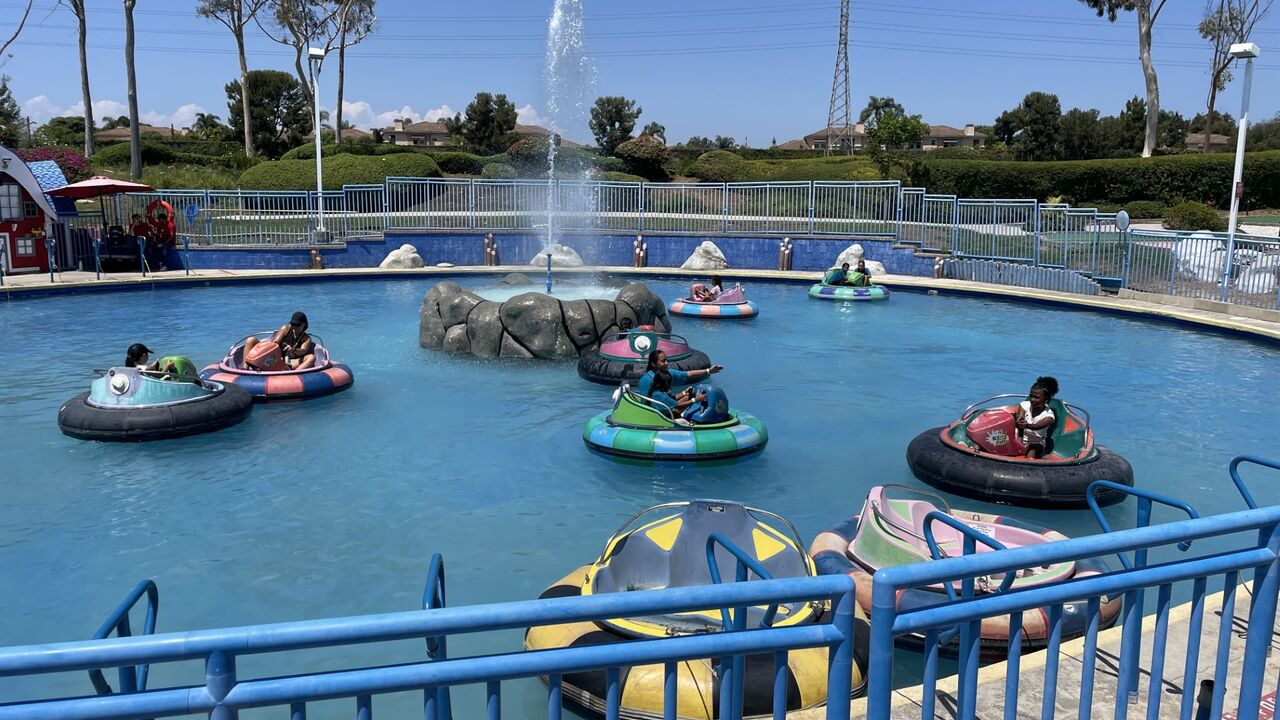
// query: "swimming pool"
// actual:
[[334, 506]]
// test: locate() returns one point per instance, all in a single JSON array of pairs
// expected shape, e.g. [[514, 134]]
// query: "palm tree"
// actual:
[[111, 123], [878, 107], [135, 140], [655, 129], [207, 126], [77, 8]]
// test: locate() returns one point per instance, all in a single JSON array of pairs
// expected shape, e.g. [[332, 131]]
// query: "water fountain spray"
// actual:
[[569, 78]]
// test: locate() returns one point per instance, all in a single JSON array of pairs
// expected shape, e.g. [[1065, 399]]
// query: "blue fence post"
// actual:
[[220, 678], [208, 217], [1035, 239], [1262, 620], [640, 207], [186, 253], [897, 230], [142, 255], [955, 223], [48, 254], [840, 671], [880, 663], [812, 207], [1227, 261], [471, 204], [724, 201], [1127, 239]]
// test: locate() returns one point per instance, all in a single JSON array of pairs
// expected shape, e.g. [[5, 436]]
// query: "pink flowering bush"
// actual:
[[73, 165]]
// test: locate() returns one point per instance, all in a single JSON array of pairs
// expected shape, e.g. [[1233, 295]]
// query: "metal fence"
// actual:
[[1243, 546], [1081, 240]]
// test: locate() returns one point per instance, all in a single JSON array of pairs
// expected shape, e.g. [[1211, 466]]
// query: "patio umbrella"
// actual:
[[98, 186]]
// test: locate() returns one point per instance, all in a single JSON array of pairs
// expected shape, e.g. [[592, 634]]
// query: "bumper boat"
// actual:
[[623, 358], [730, 304], [132, 405], [980, 456], [891, 531], [667, 550], [640, 428], [823, 291], [266, 377]]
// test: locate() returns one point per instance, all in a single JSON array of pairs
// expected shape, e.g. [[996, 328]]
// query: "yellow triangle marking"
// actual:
[[664, 535], [766, 547]]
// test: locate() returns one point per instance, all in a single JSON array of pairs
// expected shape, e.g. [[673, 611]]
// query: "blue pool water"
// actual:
[[334, 506]]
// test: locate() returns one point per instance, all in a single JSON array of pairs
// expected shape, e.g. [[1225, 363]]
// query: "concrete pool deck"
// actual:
[[991, 679], [1212, 315]]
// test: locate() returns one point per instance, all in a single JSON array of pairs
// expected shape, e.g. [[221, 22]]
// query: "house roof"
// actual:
[[349, 133], [21, 172], [946, 131], [792, 145], [935, 131], [850, 130], [420, 128], [122, 133], [1197, 139]]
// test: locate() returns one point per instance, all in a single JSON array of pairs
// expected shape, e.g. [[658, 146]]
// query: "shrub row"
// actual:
[[339, 169], [308, 151], [1169, 179]]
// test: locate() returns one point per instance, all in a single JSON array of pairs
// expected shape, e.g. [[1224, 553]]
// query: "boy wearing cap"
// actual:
[[137, 356], [295, 344]]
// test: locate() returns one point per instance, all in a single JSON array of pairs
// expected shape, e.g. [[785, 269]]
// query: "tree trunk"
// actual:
[[342, 67], [1208, 119], [1149, 73], [135, 139], [244, 93], [84, 87]]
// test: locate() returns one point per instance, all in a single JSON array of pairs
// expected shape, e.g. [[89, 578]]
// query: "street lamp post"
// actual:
[[1246, 52], [315, 56]]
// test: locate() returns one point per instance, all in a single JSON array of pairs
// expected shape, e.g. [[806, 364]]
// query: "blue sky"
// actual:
[[751, 69]]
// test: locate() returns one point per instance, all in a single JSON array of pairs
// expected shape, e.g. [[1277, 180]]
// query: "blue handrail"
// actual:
[[433, 597], [1145, 500], [971, 538], [133, 678], [744, 563], [1235, 475]]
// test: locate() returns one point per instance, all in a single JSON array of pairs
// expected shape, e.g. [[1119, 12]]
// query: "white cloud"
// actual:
[[364, 116], [41, 108], [527, 115], [437, 114]]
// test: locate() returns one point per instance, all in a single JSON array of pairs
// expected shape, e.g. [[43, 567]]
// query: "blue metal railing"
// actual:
[[1260, 554], [223, 694]]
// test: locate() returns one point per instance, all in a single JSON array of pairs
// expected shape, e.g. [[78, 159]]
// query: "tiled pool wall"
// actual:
[[518, 248]]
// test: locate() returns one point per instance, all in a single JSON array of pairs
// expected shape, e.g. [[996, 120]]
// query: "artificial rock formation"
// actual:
[[532, 324], [706, 257], [403, 257], [853, 254], [561, 256]]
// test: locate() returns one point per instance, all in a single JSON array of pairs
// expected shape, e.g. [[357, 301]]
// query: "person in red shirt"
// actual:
[[140, 227]]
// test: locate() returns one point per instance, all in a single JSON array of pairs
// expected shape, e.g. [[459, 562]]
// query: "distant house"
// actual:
[[434, 134], [792, 145], [939, 136], [121, 134], [1217, 143], [348, 135]]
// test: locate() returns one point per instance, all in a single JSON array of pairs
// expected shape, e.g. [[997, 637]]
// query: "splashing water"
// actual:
[[570, 79]]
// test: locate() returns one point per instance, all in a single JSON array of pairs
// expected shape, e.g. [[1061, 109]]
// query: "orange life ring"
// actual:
[[156, 222]]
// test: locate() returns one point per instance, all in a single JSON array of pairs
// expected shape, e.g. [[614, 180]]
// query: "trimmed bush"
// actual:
[[459, 163], [1145, 209], [152, 154], [1200, 177], [609, 176], [645, 156], [498, 171], [720, 166], [409, 165], [1193, 216], [308, 151], [528, 155]]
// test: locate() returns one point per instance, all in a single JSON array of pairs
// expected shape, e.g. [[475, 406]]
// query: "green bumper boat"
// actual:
[[640, 428]]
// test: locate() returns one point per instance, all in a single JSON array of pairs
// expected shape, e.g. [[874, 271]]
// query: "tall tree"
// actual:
[[1148, 11], [1225, 23], [235, 14], [613, 118], [656, 129], [878, 107], [301, 24], [894, 131], [77, 9], [1080, 139], [354, 24], [1034, 128], [278, 111], [487, 125], [10, 116], [135, 142], [1173, 130]]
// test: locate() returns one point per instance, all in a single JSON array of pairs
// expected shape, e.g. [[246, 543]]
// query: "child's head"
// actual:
[[845, 267], [1047, 383], [715, 281], [1038, 396]]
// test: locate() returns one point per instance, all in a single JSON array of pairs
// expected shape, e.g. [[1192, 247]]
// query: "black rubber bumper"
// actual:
[[222, 409], [612, 372], [1011, 483]]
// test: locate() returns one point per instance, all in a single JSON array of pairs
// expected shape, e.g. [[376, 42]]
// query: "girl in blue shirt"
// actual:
[[658, 380]]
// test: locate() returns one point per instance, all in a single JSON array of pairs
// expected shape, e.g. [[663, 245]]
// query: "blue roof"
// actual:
[[48, 174], [50, 177]]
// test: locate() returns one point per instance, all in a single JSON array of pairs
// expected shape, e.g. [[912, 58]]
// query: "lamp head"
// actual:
[[1244, 51], [315, 53]]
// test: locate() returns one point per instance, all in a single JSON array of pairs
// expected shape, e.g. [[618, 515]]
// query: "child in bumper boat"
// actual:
[[659, 379], [708, 293], [296, 346], [1034, 417]]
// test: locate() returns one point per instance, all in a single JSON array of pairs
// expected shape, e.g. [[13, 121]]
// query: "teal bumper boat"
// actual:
[[640, 428], [131, 405]]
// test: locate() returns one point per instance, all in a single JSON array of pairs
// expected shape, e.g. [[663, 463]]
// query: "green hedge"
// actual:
[[720, 166], [610, 176], [1204, 178], [498, 171], [1193, 216], [308, 151], [118, 155], [459, 163], [339, 169]]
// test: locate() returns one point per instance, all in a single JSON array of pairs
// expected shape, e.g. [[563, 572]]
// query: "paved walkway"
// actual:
[[991, 679], [1261, 323]]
